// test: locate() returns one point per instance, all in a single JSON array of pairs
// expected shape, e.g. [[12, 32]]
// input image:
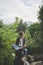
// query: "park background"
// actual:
[[33, 35]]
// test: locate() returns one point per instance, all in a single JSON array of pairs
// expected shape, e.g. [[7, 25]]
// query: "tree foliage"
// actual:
[[41, 25], [9, 33], [22, 26]]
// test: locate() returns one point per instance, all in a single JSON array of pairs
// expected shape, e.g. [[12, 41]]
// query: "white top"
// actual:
[[21, 42]]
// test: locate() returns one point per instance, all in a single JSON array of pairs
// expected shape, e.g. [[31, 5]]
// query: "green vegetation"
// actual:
[[9, 33]]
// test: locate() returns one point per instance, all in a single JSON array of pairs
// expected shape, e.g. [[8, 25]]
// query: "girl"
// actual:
[[21, 43]]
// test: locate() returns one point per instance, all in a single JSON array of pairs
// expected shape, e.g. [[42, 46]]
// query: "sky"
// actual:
[[25, 9]]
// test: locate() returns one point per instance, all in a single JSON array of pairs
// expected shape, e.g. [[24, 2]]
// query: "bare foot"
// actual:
[[24, 58]]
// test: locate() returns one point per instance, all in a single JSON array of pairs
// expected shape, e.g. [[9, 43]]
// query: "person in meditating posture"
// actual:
[[20, 50], [20, 42]]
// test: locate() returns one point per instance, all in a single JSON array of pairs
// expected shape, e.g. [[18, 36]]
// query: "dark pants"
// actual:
[[21, 52]]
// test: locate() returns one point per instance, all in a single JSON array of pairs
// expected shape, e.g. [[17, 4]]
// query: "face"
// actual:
[[22, 35]]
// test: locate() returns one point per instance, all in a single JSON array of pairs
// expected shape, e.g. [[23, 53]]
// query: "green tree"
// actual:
[[40, 17], [22, 26], [1, 23], [33, 29], [8, 36]]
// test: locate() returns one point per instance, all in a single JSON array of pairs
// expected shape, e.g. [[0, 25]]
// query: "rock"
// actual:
[[30, 58], [38, 57], [18, 62], [35, 58], [37, 63]]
